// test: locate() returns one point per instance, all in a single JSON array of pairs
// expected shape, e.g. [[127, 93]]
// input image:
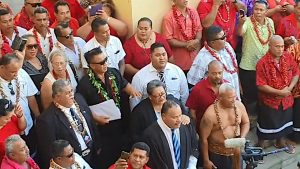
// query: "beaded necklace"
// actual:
[[56, 166], [4, 96], [228, 14], [38, 40], [255, 26]]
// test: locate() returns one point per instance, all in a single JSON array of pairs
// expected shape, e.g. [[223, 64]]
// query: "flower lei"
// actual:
[[273, 73], [101, 91], [228, 15], [218, 59], [254, 22], [180, 21], [4, 37], [38, 40], [56, 166]]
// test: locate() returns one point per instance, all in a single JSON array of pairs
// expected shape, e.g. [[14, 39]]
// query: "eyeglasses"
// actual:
[[221, 38], [102, 62], [68, 36], [34, 4], [161, 95], [10, 87], [70, 155], [35, 46]]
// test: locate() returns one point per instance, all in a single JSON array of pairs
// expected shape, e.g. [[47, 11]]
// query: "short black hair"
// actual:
[[145, 19], [60, 27], [265, 2], [168, 105], [141, 146], [89, 55], [60, 3], [3, 12], [7, 59], [58, 147], [156, 45], [6, 106], [211, 32], [40, 10], [97, 23]]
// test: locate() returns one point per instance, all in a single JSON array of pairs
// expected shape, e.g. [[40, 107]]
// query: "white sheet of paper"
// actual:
[[107, 108]]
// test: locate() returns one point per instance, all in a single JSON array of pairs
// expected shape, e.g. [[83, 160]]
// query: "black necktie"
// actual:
[[161, 76]]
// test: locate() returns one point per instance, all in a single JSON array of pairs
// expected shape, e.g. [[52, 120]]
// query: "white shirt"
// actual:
[[113, 50], [82, 163], [27, 88], [44, 42], [199, 67], [21, 31], [76, 57], [174, 78], [70, 118], [168, 134]]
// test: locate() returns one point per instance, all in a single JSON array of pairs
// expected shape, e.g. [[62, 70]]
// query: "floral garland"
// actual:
[[4, 37], [218, 59], [228, 14], [179, 22], [273, 73], [254, 22], [101, 91], [56, 166], [38, 40]]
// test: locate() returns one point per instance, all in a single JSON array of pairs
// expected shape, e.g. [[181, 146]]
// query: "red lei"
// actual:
[[180, 23], [38, 40], [228, 14], [218, 59], [254, 22], [56, 78], [4, 37], [283, 67]]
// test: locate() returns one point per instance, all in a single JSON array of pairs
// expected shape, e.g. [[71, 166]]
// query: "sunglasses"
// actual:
[[102, 62], [68, 36], [10, 87], [221, 38], [70, 155], [35, 46], [34, 4]]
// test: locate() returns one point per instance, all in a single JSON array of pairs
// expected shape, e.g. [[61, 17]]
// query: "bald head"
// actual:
[[276, 46], [215, 72], [214, 64]]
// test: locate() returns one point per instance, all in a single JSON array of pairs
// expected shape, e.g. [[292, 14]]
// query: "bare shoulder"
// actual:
[[210, 113], [240, 105]]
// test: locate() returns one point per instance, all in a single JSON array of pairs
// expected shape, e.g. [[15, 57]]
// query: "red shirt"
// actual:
[[204, 9], [200, 98], [5, 49], [76, 10], [73, 24], [288, 27], [9, 129], [277, 17], [129, 166], [23, 20], [278, 77]]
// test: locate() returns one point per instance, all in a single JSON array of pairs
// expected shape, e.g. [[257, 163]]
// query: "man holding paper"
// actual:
[[101, 88]]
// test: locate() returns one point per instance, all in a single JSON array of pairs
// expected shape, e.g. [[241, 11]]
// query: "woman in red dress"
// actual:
[[12, 121], [137, 48]]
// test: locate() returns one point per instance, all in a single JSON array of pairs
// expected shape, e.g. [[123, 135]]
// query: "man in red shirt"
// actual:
[[77, 11], [62, 14], [24, 18], [138, 158], [205, 92], [221, 13], [279, 9], [276, 75]]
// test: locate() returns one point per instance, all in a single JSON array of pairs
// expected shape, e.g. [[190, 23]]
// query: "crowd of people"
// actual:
[[75, 93]]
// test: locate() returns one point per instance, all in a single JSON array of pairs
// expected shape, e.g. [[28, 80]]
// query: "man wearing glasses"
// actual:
[[215, 48], [63, 156], [72, 47], [24, 18]]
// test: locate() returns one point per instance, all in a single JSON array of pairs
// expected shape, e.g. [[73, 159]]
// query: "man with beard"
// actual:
[[8, 29]]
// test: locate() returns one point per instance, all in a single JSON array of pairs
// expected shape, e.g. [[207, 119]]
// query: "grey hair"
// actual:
[[225, 87], [58, 86], [10, 141], [153, 84], [58, 52]]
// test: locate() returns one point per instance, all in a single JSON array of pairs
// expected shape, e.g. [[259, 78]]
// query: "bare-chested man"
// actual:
[[226, 118]]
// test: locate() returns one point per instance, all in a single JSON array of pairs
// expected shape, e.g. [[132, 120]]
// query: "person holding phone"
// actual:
[[279, 9], [136, 159]]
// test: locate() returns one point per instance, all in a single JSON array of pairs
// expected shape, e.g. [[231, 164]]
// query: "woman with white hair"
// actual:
[[59, 69]]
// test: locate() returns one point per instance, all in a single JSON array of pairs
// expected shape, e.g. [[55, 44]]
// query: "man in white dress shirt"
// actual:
[[64, 157], [160, 69], [7, 27], [110, 45], [72, 47], [44, 35], [215, 48]]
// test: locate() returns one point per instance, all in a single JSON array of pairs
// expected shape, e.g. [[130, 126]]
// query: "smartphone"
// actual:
[[94, 9], [18, 43], [124, 155], [22, 45], [242, 12]]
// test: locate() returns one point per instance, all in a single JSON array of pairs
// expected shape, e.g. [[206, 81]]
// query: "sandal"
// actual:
[[291, 149]]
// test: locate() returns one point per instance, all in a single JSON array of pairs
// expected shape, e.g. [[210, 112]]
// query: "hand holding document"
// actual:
[[107, 109]]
